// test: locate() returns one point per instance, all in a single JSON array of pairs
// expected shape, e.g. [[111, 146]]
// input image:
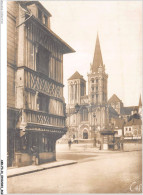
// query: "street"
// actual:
[[95, 172]]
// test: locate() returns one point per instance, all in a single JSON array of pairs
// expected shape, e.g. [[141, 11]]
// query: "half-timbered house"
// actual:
[[36, 107]]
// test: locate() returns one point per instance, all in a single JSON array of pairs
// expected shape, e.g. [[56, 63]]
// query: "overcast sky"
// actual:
[[119, 25]]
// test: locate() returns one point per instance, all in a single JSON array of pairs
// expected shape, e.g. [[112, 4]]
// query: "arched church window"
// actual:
[[84, 114], [92, 80], [85, 134], [82, 89], [96, 81], [72, 93], [97, 98], [75, 91]]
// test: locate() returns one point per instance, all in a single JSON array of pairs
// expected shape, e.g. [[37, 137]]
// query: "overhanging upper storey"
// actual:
[[35, 11]]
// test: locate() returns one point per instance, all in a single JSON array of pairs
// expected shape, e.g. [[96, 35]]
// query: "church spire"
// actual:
[[97, 60], [140, 102]]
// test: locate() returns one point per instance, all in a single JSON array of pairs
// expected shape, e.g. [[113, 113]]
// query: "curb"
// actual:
[[41, 169]]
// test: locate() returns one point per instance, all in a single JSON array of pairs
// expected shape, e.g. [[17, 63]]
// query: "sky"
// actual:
[[119, 26]]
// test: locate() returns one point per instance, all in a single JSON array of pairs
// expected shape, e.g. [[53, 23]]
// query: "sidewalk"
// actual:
[[11, 172]]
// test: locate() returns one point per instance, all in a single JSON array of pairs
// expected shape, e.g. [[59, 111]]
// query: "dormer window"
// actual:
[[39, 14], [45, 19]]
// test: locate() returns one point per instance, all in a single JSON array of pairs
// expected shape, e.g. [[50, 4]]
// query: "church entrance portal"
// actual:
[[85, 134]]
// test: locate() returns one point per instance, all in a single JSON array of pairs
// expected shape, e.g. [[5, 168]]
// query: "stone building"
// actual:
[[35, 102], [97, 118], [92, 116]]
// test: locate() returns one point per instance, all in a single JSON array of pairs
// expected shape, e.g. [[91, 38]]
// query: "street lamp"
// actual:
[[94, 142]]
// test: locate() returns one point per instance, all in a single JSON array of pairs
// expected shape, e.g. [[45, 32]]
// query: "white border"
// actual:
[[3, 105]]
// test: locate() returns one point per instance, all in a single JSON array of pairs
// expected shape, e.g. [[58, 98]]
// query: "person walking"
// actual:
[[69, 143]]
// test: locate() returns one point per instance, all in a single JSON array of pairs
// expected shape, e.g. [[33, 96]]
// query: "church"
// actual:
[[92, 115]]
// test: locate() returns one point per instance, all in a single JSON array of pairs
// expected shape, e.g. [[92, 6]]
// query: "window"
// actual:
[[92, 88], [45, 19], [84, 114], [96, 80], [92, 96], [92, 80], [39, 14], [82, 89], [43, 102], [42, 60], [96, 88], [72, 92], [126, 129], [96, 97], [129, 129]]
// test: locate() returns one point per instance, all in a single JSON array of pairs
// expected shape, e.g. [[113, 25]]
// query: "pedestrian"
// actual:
[[69, 143]]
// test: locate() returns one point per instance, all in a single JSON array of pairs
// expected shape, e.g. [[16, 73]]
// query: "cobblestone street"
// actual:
[[98, 172]]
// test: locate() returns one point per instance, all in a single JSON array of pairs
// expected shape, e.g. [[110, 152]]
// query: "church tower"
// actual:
[[97, 79], [76, 89]]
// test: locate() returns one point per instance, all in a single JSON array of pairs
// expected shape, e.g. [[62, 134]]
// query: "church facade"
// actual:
[[96, 118], [92, 116]]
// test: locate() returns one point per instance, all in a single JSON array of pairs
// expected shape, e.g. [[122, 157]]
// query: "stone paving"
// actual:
[[111, 172]]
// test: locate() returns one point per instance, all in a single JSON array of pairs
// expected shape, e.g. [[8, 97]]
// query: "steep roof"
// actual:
[[114, 98], [97, 60], [76, 75], [133, 122], [113, 113], [128, 110]]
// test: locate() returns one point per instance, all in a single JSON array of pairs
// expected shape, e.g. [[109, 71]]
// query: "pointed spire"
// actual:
[[97, 60], [140, 102]]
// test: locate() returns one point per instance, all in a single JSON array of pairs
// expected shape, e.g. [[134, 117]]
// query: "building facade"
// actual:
[[97, 118], [35, 102], [92, 116]]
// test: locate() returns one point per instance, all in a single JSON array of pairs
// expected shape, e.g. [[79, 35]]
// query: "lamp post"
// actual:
[[94, 141]]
